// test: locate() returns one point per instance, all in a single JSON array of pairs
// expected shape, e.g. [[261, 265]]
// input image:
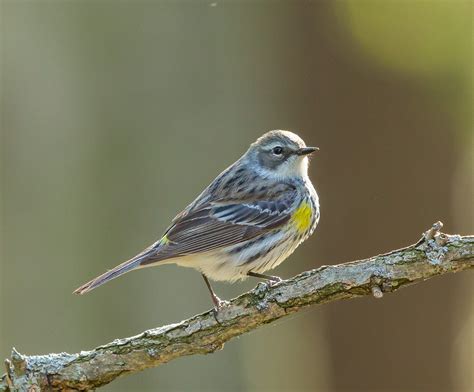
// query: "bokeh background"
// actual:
[[116, 114]]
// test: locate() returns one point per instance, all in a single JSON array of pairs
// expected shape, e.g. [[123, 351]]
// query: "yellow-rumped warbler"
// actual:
[[247, 221]]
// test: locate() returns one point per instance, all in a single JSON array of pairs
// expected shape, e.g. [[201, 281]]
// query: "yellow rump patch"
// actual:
[[301, 218]]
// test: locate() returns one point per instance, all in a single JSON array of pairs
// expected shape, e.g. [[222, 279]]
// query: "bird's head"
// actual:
[[280, 154]]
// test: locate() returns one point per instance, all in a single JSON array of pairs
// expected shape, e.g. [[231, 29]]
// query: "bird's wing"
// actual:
[[218, 225]]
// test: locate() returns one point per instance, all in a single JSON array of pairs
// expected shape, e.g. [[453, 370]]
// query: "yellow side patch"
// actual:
[[164, 240], [301, 218]]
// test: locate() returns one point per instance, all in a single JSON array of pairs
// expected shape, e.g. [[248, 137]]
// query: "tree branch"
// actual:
[[435, 254]]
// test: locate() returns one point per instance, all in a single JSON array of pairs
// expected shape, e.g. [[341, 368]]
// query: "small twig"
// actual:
[[377, 292], [430, 234], [8, 379], [436, 254]]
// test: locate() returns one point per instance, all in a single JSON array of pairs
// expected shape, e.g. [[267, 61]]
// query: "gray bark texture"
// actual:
[[435, 254]]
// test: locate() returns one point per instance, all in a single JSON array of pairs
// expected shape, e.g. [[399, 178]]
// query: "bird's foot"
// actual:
[[270, 279], [219, 304], [274, 281]]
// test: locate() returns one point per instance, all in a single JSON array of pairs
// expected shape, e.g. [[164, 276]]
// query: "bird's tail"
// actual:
[[119, 270]]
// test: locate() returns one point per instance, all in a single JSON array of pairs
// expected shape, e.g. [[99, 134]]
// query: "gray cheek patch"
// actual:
[[268, 161]]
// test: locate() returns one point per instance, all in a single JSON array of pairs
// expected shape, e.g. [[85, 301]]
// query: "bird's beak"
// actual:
[[306, 150]]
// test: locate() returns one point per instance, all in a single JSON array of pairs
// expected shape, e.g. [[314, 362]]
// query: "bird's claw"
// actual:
[[219, 304], [275, 281]]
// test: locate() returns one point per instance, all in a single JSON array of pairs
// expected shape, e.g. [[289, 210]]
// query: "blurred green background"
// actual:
[[116, 114]]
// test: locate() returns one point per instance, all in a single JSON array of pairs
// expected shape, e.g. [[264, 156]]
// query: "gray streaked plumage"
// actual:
[[247, 221]]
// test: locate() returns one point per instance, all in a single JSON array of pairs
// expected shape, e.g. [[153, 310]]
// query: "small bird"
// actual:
[[246, 222]]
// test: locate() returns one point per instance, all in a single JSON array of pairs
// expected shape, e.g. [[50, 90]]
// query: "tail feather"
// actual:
[[119, 270]]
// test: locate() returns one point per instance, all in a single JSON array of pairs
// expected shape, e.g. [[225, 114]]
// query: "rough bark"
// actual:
[[435, 254]]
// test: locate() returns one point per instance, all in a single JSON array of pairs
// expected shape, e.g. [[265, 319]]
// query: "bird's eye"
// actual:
[[277, 150]]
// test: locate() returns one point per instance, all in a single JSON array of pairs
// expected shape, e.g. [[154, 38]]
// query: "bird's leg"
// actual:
[[218, 303], [272, 280]]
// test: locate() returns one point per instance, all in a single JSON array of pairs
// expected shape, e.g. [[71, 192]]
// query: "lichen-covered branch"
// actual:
[[435, 254]]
